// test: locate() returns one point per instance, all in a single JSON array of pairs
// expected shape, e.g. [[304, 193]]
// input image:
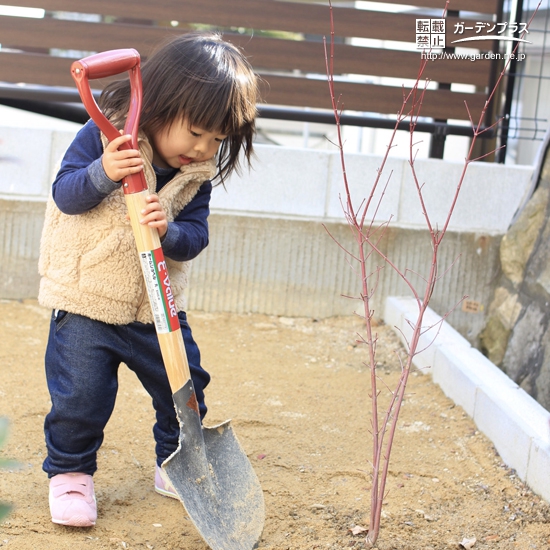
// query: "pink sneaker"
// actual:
[[162, 487], [72, 500]]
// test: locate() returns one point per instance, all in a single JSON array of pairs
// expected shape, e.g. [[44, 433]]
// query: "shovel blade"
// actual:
[[215, 480]]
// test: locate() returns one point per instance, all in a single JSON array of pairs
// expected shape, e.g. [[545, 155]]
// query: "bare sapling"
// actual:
[[367, 236]]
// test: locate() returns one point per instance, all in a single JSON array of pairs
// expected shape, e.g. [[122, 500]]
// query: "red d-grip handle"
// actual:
[[102, 65]]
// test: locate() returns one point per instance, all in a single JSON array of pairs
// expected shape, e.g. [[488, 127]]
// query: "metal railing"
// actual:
[[64, 103]]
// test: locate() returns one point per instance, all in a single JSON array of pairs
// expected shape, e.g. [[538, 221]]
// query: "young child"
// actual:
[[199, 106]]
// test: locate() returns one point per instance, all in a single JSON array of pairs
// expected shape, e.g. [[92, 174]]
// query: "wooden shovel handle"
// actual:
[[171, 343]]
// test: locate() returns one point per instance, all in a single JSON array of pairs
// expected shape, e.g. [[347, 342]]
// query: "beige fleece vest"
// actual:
[[89, 262]]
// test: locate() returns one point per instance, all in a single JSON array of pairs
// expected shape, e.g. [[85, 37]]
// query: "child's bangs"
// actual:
[[220, 107], [208, 111]]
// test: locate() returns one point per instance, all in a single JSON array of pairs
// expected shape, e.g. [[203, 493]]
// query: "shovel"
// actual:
[[210, 471]]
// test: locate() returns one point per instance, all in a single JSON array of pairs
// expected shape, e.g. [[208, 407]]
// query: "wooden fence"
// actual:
[[375, 51]]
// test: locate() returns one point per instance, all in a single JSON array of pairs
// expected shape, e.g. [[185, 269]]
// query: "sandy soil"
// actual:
[[297, 391]]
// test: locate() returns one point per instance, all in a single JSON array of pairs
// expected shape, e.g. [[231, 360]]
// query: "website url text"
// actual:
[[432, 56]]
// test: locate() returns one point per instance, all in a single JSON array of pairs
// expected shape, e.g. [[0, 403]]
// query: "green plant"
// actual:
[[4, 463]]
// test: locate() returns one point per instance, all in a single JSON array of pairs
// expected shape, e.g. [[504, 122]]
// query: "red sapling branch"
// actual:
[[368, 235]]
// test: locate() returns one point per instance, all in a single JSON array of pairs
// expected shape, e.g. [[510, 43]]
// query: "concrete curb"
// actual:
[[518, 426]]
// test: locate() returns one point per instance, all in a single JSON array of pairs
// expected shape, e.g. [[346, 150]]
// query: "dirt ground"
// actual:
[[297, 391]]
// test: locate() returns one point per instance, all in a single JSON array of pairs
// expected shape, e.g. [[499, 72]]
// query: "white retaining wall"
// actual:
[[308, 185], [31, 147]]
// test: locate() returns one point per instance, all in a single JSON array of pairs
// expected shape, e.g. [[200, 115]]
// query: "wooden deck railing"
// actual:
[[374, 54]]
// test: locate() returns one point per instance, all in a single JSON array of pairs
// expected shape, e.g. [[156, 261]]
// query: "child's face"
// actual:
[[181, 144]]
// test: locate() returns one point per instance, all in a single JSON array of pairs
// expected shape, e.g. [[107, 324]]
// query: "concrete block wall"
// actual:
[[20, 229], [293, 267], [31, 148], [308, 184], [306, 187], [518, 426], [273, 228]]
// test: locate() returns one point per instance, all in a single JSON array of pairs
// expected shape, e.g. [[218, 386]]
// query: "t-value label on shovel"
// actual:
[[159, 290]]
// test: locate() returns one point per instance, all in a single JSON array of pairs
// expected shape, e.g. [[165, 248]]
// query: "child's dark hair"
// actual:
[[200, 77]]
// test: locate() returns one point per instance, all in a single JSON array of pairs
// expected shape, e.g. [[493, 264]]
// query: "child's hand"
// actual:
[[154, 215], [119, 164]]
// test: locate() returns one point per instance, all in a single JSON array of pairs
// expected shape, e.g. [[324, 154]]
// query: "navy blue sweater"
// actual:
[[81, 184]]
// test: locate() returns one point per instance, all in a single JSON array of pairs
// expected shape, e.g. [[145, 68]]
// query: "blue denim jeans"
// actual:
[[82, 361]]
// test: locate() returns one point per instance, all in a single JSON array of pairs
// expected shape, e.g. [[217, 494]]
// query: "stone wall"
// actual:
[[516, 336]]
